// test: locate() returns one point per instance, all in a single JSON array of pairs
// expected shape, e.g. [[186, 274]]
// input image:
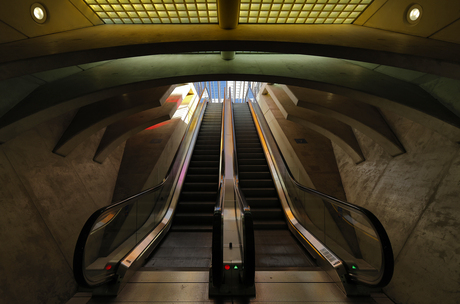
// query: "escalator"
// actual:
[[189, 242], [281, 225], [199, 192], [172, 220], [275, 246], [346, 241]]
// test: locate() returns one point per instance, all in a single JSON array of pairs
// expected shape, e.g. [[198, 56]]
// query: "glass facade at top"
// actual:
[[238, 91]]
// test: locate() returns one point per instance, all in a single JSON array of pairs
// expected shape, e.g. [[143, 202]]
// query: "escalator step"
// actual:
[[269, 225], [256, 183], [198, 196], [191, 228], [203, 164], [249, 150], [255, 175], [253, 168], [206, 152], [193, 178], [263, 202], [205, 157], [200, 186], [250, 156], [267, 214], [193, 218], [260, 192], [196, 207], [203, 171], [254, 162]]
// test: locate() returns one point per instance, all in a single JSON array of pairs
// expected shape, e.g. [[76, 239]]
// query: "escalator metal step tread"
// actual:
[[194, 215], [269, 225], [191, 228], [201, 177]]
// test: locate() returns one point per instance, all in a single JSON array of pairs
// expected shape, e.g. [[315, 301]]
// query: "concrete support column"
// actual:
[[228, 12]]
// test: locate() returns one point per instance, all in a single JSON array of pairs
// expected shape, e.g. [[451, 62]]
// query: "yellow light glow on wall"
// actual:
[[301, 11], [155, 11]]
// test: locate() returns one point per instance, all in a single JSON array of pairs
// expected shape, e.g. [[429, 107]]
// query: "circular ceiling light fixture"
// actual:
[[38, 13], [414, 14]]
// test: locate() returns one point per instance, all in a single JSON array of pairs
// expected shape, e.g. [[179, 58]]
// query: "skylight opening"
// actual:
[[155, 11], [301, 11]]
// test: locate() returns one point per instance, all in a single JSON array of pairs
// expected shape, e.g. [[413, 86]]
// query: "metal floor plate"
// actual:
[[187, 287], [183, 250]]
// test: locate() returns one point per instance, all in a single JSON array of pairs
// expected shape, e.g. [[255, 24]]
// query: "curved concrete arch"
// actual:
[[117, 41], [327, 74], [363, 117], [120, 131], [93, 117], [334, 130]]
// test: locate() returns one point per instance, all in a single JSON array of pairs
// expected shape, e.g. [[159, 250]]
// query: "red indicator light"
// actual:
[[108, 267], [227, 267]]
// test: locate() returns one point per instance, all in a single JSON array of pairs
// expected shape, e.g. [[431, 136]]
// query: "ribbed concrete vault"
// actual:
[[140, 73]]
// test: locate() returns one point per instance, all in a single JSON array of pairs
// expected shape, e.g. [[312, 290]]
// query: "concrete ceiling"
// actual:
[[59, 66]]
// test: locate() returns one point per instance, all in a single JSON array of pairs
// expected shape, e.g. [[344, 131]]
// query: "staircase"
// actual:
[[254, 176], [199, 193]]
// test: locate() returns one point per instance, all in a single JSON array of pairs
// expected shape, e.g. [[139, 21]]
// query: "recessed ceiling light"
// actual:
[[414, 14], [38, 13]]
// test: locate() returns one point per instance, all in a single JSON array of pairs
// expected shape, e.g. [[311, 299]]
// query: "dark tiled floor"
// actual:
[[279, 248], [183, 250]]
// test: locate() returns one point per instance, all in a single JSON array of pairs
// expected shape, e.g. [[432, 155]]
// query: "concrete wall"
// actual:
[[142, 152], [45, 199], [415, 196]]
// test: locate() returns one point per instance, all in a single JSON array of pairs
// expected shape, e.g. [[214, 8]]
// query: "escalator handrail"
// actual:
[[387, 251], [78, 260], [219, 203]]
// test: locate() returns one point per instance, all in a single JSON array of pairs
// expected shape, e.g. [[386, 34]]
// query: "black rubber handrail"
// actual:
[[78, 260], [387, 251]]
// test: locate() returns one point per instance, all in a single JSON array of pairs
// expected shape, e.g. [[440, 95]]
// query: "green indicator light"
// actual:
[[235, 267], [354, 267]]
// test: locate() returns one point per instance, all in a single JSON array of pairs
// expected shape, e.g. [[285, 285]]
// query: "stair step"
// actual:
[[202, 164]]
